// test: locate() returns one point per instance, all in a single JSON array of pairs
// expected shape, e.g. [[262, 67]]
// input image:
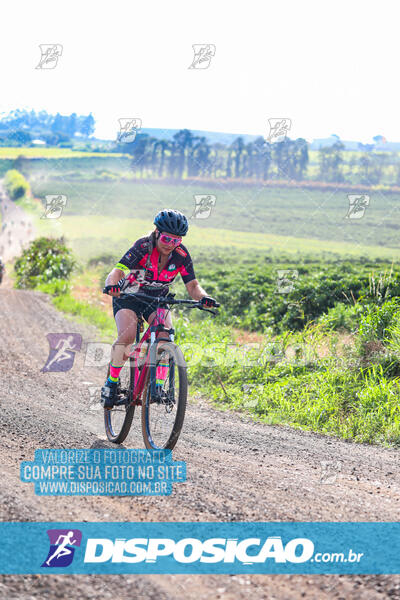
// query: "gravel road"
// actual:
[[237, 470], [17, 228]]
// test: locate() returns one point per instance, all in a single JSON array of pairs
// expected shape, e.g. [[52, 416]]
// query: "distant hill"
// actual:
[[213, 137], [354, 145]]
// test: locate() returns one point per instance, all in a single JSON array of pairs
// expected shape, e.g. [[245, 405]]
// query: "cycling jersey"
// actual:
[[145, 268]]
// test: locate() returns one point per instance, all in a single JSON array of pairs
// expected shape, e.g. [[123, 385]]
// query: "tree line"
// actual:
[[21, 127], [188, 155]]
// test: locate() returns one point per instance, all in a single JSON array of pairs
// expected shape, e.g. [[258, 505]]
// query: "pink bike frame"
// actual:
[[140, 376]]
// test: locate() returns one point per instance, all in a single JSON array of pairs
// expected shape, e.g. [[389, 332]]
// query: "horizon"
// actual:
[[95, 136]]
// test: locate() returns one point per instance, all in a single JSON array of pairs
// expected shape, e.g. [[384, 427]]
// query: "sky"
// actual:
[[328, 66]]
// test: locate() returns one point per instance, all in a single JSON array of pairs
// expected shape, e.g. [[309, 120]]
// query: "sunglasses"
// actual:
[[167, 239]]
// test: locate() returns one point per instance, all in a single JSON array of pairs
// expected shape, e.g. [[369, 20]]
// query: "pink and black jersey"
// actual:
[[145, 272]]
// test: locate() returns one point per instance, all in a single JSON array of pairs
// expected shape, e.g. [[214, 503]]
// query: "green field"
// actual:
[[37, 152], [95, 235], [61, 163], [292, 219]]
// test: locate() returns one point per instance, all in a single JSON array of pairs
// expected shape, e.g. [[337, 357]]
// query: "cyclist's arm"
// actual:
[[195, 290], [189, 278], [114, 276], [130, 259]]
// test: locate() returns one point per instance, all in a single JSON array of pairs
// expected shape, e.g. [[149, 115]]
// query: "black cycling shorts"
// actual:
[[140, 307]]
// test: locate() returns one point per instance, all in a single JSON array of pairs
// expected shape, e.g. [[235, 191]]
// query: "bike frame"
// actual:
[[144, 379], [158, 324]]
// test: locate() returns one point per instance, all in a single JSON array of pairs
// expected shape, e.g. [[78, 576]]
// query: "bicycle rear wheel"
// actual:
[[162, 420], [118, 420]]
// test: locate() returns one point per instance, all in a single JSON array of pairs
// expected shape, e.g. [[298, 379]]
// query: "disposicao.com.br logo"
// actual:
[[200, 547], [190, 550]]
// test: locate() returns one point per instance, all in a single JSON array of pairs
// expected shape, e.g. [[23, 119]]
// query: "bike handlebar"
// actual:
[[168, 300]]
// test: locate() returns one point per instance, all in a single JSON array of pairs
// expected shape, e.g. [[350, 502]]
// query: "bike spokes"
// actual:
[[163, 413], [118, 419]]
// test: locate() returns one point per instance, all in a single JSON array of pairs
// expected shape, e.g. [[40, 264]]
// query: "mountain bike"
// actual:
[[162, 414]]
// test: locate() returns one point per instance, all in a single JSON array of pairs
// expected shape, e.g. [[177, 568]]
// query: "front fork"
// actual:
[[153, 357]]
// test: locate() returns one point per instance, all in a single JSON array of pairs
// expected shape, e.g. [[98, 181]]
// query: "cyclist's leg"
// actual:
[[126, 321]]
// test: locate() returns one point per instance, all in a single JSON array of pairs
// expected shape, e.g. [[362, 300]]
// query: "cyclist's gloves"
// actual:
[[113, 288], [208, 301]]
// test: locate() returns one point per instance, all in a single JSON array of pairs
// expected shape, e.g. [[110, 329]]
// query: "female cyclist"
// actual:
[[153, 262]]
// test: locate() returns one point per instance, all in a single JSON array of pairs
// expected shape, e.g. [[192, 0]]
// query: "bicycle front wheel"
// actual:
[[118, 420], [163, 415]]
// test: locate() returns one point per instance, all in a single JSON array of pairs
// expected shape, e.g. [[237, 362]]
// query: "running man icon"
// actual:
[[61, 552], [62, 351], [62, 549]]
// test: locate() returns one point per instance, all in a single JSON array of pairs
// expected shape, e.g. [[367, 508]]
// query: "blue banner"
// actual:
[[200, 548]]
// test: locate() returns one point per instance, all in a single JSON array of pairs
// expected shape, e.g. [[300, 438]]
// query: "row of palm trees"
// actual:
[[188, 155]]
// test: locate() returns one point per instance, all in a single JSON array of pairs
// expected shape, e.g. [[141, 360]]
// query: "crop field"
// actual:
[[38, 152], [294, 218], [90, 236]]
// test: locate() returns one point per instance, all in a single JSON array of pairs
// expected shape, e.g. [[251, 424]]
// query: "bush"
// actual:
[[16, 184], [45, 260], [377, 322], [343, 316]]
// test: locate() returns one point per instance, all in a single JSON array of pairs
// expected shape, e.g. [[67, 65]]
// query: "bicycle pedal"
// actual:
[[120, 402]]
